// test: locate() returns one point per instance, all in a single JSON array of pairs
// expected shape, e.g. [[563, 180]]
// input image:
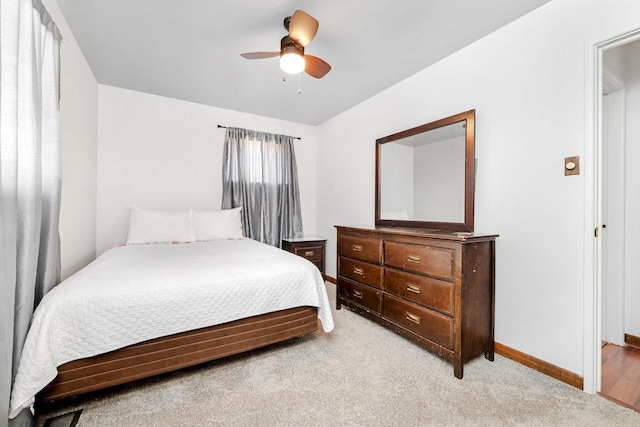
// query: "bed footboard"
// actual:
[[178, 351]]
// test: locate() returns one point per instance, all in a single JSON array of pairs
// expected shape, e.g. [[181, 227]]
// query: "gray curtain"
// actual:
[[29, 178], [259, 174]]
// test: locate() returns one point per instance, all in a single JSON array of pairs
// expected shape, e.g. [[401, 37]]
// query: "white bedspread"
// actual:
[[136, 293]]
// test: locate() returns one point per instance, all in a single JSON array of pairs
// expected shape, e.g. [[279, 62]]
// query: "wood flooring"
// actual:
[[621, 375]]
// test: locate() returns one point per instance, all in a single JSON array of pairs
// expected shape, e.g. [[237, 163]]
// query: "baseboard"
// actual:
[[330, 279], [632, 340], [540, 365]]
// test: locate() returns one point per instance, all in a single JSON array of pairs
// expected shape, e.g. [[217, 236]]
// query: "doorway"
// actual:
[[616, 104]]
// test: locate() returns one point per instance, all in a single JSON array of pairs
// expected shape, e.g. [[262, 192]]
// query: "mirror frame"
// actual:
[[469, 174]]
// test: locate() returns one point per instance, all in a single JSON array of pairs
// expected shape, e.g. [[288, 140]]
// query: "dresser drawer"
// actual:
[[362, 295], [360, 248], [312, 253], [428, 323], [423, 290], [430, 260], [361, 272]]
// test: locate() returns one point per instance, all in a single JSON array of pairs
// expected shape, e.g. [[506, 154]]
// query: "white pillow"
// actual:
[[156, 226], [223, 224]]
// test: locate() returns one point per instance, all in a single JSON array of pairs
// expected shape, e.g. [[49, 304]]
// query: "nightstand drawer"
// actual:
[[310, 248], [312, 253]]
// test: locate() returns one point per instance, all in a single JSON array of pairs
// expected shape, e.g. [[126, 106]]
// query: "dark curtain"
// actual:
[[259, 174]]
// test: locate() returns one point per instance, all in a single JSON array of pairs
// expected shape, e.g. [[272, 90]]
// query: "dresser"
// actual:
[[311, 248], [434, 288]]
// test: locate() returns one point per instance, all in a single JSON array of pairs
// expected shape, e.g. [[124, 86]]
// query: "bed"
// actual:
[[140, 310]]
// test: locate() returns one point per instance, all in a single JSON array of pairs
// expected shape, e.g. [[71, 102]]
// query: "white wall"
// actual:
[[164, 153], [79, 139], [632, 191], [527, 84]]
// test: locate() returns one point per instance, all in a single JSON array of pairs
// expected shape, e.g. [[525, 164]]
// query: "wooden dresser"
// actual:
[[435, 288]]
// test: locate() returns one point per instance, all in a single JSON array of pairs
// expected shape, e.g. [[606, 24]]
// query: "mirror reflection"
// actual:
[[425, 175], [422, 177]]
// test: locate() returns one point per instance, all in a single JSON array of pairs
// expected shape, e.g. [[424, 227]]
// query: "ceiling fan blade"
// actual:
[[316, 67], [259, 55], [303, 27]]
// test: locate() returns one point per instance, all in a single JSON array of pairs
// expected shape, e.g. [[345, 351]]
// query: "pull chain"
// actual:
[[284, 79]]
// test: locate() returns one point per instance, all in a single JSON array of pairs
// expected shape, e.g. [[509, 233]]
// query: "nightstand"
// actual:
[[311, 248]]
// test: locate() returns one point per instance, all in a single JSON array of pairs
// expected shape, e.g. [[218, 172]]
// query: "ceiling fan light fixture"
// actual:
[[291, 56], [302, 28], [292, 63]]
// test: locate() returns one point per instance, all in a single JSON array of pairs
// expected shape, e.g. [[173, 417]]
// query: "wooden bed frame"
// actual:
[[178, 351]]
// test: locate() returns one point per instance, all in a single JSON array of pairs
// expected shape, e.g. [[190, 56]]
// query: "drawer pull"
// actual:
[[308, 253], [359, 271], [413, 318], [356, 248], [413, 288], [357, 294], [414, 259]]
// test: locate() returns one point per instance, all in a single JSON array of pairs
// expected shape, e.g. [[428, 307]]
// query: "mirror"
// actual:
[[425, 175]]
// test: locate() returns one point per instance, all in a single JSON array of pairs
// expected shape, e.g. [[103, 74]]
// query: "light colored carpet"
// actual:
[[360, 374]]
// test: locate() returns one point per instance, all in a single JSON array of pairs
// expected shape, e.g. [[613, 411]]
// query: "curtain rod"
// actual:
[[294, 137]]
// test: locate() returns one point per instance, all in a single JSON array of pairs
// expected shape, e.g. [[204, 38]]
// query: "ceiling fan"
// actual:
[[302, 28]]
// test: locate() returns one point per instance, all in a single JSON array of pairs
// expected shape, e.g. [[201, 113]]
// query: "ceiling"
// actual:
[[190, 49]]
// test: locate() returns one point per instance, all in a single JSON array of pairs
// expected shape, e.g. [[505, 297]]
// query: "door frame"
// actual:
[[593, 208]]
